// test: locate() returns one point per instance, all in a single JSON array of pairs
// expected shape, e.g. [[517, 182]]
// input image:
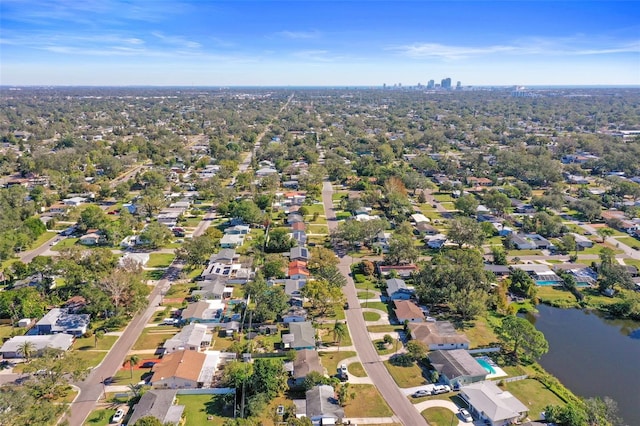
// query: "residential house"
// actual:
[[58, 208], [479, 181], [295, 314], [74, 201], [214, 288], [237, 230], [439, 335], [74, 304], [406, 310], [423, 228], [169, 216], [60, 320], [226, 256], [402, 270], [231, 241], [498, 270], [531, 242], [192, 337], [205, 311], [436, 242], [419, 218], [456, 367], [383, 239], [298, 270], [582, 242], [397, 289], [495, 406], [302, 336], [299, 253], [266, 171], [306, 361], [503, 231], [159, 404], [179, 370], [11, 348], [322, 407], [91, 239], [292, 287], [294, 218], [298, 226]]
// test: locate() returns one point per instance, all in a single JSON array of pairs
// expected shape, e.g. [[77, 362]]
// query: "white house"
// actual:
[[397, 289], [492, 404]]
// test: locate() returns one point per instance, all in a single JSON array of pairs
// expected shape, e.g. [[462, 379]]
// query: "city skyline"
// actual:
[[310, 43]]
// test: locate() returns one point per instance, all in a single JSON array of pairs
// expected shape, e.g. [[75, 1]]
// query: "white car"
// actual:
[[118, 416], [343, 369], [465, 415]]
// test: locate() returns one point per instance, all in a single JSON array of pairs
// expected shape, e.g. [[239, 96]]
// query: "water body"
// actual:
[[593, 356]]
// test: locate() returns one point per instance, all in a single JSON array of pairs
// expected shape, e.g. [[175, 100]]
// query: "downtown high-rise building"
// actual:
[[445, 83]]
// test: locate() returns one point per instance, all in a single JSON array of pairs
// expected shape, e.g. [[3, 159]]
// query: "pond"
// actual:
[[593, 356]]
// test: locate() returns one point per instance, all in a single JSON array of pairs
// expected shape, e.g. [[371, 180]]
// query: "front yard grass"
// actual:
[[160, 260], [367, 403], [90, 358], [66, 243], [204, 409], [88, 343], [371, 316], [330, 360], [481, 334], [46, 236], [406, 377], [383, 328], [383, 349], [152, 337], [534, 395], [357, 369], [123, 375], [325, 331], [101, 417], [439, 416]]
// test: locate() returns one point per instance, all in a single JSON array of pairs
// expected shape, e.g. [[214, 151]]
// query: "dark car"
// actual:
[[346, 305], [343, 377], [148, 364]]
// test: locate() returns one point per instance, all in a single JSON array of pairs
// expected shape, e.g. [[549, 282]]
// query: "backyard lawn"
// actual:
[[481, 334], [204, 409], [367, 403], [534, 395], [556, 296], [406, 377]]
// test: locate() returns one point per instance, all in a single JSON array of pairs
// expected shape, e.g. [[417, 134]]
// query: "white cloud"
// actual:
[[177, 40], [299, 34]]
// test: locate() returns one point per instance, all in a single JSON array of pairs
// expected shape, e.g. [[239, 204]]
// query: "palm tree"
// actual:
[[132, 360], [26, 349], [97, 336], [339, 332], [135, 389]]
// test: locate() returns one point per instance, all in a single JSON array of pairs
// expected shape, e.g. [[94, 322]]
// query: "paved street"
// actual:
[[374, 367]]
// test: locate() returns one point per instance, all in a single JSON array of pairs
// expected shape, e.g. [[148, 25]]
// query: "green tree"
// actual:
[[345, 394], [416, 349], [467, 204], [148, 421], [339, 332], [466, 231], [196, 251], [156, 235], [499, 256], [322, 295], [522, 283], [604, 233], [98, 335], [26, 349], [523, 337], [321, 257], [401, 250]]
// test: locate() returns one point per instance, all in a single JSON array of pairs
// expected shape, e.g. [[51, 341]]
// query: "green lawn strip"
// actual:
[[594, 298], [443, 197], [89, 343], [377, 305], [7, 331], [151, 338], [160, 260], [406, 377], [371, 316], [439, 416], [597, 248], [518, 253], [123, 375], [534, 395], [318, 229], [357, 369], [630, 241], [367, 403], [66, 243], [326, 335], [330, 360], [383, 328], [633, 262], [43, 238], [366, 295], [177, 291], [383, 349], [154, 275], [190, 221], [315, 208], [220, 343], [338, 195], [204, 409]]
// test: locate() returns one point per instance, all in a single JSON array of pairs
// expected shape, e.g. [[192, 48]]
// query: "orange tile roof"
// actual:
[[182, 364]]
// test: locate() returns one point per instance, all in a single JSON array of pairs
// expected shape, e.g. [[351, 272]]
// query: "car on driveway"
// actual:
[[466, 417], [342, 369], [118, 416], [148, 364], [420, 393]]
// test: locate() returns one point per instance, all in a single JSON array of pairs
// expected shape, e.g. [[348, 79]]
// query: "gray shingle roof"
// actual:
[[159, 404], [456, 363]]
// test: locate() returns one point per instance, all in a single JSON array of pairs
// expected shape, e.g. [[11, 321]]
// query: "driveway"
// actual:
[[421, 406]]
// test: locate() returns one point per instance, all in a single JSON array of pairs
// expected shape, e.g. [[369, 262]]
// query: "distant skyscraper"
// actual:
[[446, 83], [431, 84], [458, 86]]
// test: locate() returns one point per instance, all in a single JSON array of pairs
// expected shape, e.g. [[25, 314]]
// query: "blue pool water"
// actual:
[[483, 362], [548, 283]]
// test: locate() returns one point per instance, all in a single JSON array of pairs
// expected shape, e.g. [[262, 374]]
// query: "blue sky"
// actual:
[[237, 42]]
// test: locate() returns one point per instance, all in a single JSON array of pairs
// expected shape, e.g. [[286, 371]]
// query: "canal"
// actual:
[[593, 356]]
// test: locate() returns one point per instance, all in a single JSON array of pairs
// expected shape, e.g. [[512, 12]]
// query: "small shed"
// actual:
[[25, 322]]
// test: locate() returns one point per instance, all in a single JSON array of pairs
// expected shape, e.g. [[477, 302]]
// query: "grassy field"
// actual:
[[534, 395], [377, 305], [481, 334], [630, 241], [100, 417], [366, 295], [406, 377], [203, 409], [439, 416], [556, 296], [330, 360], [6, 330], [123, 375], [326, 335], [91, 358], [160, 260], [371, 316], [46, 236], [367, 403], [382, 349], [66, 243], [384, 328], [357, 369], [443, 197]]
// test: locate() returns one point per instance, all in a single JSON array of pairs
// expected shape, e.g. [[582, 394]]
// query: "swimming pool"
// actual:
[[485, 364], [548, 282]]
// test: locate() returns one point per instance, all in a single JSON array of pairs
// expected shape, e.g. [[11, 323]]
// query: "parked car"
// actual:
[[118, 416], [465, 415], [343, 377], [343, 369], [420, 393], [148, 364]]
